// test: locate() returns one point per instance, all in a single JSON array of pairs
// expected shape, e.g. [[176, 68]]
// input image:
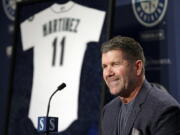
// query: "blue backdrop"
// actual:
[[160, 42]]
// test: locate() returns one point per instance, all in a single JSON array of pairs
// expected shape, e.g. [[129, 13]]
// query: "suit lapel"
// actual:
[[114, 119], [110, 118], [140, 99]]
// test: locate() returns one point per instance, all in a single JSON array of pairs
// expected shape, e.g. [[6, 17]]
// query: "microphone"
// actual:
[[59, 88], [49, 124], [62, 86]]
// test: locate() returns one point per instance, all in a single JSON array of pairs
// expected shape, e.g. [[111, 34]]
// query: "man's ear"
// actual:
[[139, 67]]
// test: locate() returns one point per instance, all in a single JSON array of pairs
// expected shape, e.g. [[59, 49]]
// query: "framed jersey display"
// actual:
[[55, 43]]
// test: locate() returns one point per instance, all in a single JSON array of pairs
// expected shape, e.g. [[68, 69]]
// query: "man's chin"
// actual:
[[121, 93], [115, 92]]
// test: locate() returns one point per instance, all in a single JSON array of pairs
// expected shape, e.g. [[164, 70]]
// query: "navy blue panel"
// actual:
[[160, 42], [6, 32]]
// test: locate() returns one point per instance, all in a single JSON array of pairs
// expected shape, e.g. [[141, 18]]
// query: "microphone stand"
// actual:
[[47, 114]]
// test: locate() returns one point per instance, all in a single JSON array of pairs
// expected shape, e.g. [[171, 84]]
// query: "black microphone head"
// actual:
[[62, 86]]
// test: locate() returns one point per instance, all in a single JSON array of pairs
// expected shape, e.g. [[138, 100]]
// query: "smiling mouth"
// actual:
[[113, 82]]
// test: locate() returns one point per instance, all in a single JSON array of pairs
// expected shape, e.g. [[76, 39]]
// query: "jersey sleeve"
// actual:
[[97, 22], [28, 34]]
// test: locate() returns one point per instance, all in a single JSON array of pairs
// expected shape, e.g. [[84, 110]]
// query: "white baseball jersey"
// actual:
[[59, 35]]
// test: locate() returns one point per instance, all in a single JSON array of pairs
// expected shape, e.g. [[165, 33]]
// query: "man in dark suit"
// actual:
[[139, 108]]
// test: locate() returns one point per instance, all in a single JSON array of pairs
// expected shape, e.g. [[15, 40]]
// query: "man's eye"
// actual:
[[104, 66], [116, 64]]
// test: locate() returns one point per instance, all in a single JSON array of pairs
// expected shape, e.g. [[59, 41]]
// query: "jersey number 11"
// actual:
[[55, 45]]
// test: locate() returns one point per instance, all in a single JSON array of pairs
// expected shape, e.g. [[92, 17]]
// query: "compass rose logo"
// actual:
[[9, 7], [149, 12]]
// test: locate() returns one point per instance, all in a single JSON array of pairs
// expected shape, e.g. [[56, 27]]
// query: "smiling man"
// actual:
[[139, 108]]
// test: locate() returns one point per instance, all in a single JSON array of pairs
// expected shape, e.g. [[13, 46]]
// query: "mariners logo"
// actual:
[[149, 12], [9, 8]]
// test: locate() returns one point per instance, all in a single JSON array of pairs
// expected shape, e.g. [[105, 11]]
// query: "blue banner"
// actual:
[[154, 24]]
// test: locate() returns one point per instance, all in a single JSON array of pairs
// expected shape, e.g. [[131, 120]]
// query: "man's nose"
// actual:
[[109, 71]]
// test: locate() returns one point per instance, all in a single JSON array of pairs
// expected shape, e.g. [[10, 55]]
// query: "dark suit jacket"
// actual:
[[155, 112]]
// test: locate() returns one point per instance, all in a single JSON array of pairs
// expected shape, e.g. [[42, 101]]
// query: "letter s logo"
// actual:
[[52, 124], [41, 122]]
